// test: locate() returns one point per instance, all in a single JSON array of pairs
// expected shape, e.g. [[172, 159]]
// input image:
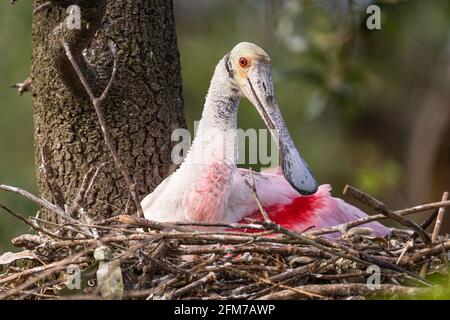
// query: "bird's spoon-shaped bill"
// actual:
[[261, 93]]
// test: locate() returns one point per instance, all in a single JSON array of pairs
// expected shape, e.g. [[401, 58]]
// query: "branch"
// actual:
[[255, 195], [410, 243], [425, 224], [377, 217], [78, 37], [41, 202], [43, 272], [439, 219], [97, 102], [208, 278], [424, 253], [435, 234], [42, 7], [86, 186], [380, 207], [144, 223], [31, 224]]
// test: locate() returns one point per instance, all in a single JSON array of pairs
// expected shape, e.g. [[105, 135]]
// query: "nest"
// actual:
[[126, 257]]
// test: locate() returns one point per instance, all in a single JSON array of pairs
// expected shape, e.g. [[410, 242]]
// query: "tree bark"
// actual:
[[143, 107]]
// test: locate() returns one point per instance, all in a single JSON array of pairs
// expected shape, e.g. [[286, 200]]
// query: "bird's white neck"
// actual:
[[216, 140]]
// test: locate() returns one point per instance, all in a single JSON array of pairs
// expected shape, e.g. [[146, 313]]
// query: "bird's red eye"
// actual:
[[243, 62]]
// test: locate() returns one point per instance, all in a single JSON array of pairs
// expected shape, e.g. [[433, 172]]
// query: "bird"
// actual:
[[208, 187]]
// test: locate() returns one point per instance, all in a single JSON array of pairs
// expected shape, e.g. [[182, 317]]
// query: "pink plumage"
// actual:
[[208, 186], [205, 202], [299, 213]]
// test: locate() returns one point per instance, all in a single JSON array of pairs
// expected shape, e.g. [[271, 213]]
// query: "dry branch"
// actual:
[[41, 202], [28, 222], [380, 207], [98, 103], [379, 217], [439, 219]]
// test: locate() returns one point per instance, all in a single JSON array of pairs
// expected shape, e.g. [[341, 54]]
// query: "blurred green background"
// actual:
[[366, 107]]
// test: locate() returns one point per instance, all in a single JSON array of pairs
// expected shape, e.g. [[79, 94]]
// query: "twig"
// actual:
[[221, 225], [262, 249], [297, 290], [422, 254], [423, 207], [380, 207], [32, 225], [94, 177], [36, 270], [425, 224], [144, 223], [186, 238], [377, 217], [255, 195], [305, 239], [290, 274], [434, 235], [79, 199], [97, 102], [182, 291], [43, 274], [410, 243], [81, 224], [45, 5], [86, 186], [439, 219], [42, 202]]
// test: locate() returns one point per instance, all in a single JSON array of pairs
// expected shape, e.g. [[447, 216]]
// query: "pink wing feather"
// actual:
[[288, 208]]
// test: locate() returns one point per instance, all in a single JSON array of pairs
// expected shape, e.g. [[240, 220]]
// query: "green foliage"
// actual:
[[16, 126]]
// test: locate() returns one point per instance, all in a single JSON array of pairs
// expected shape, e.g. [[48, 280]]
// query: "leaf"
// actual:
[[10, 257], [109, 280], [362, 231]]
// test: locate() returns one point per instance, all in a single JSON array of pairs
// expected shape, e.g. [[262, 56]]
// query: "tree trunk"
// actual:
[[143, 107]]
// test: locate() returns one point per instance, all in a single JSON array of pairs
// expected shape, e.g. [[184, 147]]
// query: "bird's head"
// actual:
[[250, 67]]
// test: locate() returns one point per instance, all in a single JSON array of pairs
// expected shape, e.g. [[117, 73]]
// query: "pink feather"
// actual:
[[299, 213]]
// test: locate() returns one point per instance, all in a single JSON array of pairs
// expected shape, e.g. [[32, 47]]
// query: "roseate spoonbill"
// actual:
[[208, 186]]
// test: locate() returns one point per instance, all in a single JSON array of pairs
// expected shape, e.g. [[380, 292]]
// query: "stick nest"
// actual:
[[132, 258]]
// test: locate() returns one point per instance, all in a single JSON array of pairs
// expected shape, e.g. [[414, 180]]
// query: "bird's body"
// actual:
[[208, 186]]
